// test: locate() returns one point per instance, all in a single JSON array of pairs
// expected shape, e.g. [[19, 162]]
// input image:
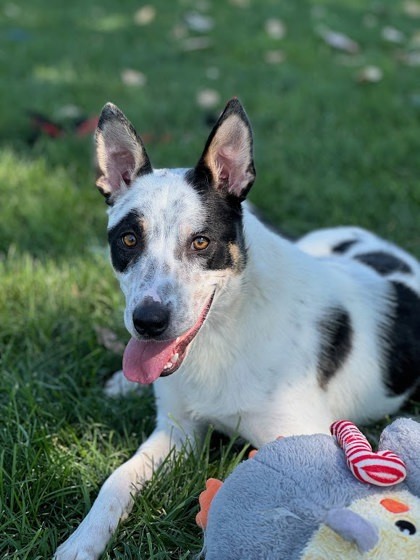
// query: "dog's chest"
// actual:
[[243, 403]]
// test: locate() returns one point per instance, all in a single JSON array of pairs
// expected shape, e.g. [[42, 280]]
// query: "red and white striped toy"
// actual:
[[382, 469]]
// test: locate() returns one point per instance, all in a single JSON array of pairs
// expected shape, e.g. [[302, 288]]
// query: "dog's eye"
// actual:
[[129, 240], [200, 243]]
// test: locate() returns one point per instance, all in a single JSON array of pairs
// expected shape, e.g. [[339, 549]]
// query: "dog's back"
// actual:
[[387, 259], [351, 247]]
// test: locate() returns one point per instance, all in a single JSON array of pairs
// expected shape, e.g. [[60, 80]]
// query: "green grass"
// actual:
[[329, 150]]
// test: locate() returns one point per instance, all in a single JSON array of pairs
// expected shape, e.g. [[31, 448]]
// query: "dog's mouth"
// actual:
[[146, 360]]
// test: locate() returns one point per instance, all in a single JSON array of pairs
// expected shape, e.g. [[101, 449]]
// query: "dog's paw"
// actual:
[[86, 543], [119, 386], [72, 549], [91, 537], [69, 553]]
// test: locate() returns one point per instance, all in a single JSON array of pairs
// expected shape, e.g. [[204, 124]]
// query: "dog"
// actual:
[[270, 336]]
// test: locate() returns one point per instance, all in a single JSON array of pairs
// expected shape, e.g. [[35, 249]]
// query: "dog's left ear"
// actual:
[[227, 159], [120, 153]]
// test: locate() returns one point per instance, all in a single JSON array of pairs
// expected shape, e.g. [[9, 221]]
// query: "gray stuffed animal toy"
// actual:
[[298, 498]]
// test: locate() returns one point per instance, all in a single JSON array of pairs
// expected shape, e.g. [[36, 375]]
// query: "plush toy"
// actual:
[[320, 498]]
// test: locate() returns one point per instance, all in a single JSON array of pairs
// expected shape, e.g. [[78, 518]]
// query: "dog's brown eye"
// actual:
[[200, 243], [129, 240]]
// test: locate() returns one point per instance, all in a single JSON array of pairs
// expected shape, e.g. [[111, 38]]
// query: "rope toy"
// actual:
[[383, 468]]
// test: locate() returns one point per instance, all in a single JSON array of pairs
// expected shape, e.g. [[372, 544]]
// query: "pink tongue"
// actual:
[[143, 362]]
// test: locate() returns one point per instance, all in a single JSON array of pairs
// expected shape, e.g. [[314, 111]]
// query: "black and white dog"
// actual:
[[270, 337]]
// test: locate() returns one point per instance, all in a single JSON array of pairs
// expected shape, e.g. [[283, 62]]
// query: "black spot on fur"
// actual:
[[344, 246], [384, 263], [336, 337], [403, 341], [121, 255], [223, 226]]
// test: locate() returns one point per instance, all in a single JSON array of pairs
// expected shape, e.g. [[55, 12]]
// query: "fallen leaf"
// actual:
[[145, 15], [133, 78], [213, 73], [196, 44], [208, 98], [412, 8], [198, 22], [370, 75], [339, 41], [392, 35], [275, 28], [411, 58], [275, 57], [109, 340]]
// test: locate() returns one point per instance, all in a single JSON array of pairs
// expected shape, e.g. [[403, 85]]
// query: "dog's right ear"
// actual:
[[120, 153]]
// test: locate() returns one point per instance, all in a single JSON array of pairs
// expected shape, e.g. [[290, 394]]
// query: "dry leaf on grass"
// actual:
[[208, 98], [412, 8], [339, 41], [109, 340], [145, 15], [392, 35], [275, 28], [198, 22], [213, 73], [370, 75], [133, 78], [411, 58]]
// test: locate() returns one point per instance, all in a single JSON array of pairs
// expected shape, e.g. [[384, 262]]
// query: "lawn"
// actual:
[[337, 141]]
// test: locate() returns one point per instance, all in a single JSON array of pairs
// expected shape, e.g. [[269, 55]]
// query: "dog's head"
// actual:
[[175, 235]]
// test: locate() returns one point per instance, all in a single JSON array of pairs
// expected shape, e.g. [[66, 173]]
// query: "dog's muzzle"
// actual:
[[151, 319], [147, 359]]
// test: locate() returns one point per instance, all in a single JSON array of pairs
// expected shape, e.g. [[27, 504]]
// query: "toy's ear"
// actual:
[[353, 528], [403, 437]]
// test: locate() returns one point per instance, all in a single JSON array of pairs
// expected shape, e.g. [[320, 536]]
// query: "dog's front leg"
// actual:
[[115, 499]]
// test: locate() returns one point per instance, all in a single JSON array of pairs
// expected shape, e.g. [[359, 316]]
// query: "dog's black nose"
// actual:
[[151, 319]]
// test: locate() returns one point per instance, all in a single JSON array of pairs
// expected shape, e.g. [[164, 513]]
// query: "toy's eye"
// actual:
[[406, 527], [129, 240], [200, 243]]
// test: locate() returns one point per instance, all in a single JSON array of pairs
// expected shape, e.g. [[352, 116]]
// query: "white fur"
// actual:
[[252, 368]]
